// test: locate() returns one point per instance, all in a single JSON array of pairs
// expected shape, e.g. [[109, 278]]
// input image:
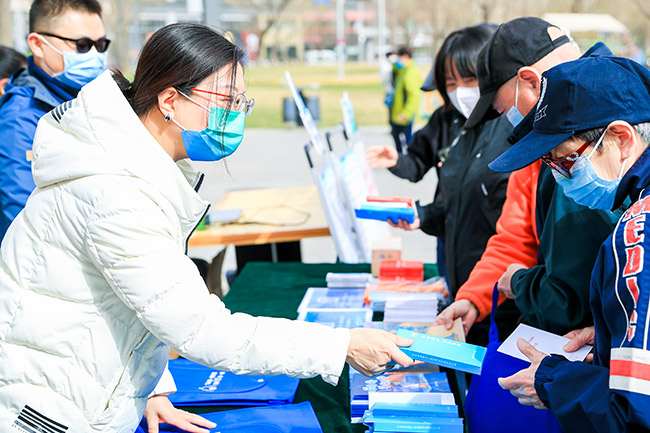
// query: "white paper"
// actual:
[[411, 397], [543, 341]]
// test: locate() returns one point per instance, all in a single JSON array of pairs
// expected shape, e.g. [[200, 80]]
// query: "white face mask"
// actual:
[[464, 99]]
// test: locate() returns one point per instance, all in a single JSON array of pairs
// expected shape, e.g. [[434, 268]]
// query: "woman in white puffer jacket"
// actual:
[[95, 286]]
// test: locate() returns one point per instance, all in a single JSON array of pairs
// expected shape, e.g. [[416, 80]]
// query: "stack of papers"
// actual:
[[444, 352], [413, 417], [318, 298], [376, 295], [397, 386], [413, 310], [337, 280]]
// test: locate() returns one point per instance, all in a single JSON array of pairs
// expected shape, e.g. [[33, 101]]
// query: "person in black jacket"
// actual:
[[469, 196]]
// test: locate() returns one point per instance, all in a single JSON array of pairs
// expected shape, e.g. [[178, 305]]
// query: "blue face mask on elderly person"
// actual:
[[586, 187]]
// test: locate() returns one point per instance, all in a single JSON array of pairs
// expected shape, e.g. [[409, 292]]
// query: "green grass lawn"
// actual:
[[268, 87]]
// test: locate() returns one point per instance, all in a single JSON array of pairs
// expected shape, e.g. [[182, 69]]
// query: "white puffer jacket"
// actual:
[[95, 285]]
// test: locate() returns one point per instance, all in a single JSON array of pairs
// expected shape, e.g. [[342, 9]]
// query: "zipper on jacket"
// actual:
[[197, 186]]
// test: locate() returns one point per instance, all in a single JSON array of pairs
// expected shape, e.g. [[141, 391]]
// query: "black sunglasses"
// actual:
[[84, 44]]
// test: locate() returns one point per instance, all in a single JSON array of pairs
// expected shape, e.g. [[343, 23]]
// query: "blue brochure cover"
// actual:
[[406, 425], [386, 213], [445, 352], [291, 418], [322, 297], [202, 386], [413, 410]]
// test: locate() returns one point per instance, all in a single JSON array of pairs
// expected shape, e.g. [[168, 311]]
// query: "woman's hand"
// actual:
[[404, 225], [159, 409], [382, 156], [373, 351]]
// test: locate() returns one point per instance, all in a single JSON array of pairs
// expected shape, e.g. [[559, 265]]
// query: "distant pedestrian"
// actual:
[[406, 98]]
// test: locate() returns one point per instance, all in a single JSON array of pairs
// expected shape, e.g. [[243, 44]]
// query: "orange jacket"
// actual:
[[514, 242]]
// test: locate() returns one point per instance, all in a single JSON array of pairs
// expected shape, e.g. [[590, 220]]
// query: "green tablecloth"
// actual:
[[275, 290]]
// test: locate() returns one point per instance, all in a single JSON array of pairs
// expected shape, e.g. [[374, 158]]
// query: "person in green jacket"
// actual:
[[406, 98]]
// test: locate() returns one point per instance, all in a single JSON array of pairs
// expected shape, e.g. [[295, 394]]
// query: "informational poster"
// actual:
[[337, 218], [355, 191], [349, 121], [305, 115]]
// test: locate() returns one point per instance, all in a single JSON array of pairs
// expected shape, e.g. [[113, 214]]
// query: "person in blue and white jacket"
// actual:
[[592, 127]]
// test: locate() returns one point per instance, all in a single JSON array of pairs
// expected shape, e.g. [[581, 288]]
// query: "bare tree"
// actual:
[[272, 11], [118, 16]]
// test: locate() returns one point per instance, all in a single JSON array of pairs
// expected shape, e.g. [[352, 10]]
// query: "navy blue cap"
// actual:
[[587, 93]]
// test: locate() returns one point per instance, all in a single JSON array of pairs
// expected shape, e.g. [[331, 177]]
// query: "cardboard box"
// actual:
[[385, 249]]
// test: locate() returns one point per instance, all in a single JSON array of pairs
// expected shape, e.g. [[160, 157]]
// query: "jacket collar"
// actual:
[[634, 181], [103, 135]]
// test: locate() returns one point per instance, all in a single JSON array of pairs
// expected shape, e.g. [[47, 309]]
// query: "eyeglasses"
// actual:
[[239, 101], [563, 166], [84, 44]]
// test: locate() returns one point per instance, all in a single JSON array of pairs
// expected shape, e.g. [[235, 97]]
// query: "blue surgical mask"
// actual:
[[514, 115], [585, 186], [221, 138], [79, 68], [399, 64]]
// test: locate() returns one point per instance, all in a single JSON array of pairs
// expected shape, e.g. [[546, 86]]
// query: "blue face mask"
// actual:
[[221, 138], [79, 68], [514, 115], [585, 186], [399, 64]]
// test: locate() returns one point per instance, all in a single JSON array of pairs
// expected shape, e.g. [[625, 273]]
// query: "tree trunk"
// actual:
[[6, 24]]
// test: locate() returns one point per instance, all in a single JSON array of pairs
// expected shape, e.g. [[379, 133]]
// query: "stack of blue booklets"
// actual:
[[393, 382], [336, 307], [412, 417], [292, 418], [202, 386]]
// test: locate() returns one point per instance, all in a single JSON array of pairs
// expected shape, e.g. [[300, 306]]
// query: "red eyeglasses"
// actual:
[[563, 166], [239, 101]]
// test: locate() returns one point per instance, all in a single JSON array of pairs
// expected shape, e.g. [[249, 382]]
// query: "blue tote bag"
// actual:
[[486, 399]]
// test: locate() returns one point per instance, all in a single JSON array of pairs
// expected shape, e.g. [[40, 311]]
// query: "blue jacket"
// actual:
[[30, 94], [613, 394]]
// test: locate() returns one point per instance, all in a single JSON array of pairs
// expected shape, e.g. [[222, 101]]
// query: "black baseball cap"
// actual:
[[583, 94], [517, 43]]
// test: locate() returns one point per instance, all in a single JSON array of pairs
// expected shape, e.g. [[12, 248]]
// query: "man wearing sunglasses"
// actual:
[[68, 42], [592, 129]]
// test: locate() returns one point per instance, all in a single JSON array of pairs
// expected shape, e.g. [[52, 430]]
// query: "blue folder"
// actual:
[[202, 386], [291, 418]]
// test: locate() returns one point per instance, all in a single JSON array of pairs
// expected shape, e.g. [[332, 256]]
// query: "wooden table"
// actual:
[[274, 205]]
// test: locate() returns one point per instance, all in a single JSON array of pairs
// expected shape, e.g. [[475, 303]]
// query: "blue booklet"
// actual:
[[407, 424], [322, 297], [414, 410], [202, 386], [291, 418], [385, 213], [444, 352], [337, 317]]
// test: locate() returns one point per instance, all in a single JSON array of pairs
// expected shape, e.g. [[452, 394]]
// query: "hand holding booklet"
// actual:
[[543, 341], [387, 208]]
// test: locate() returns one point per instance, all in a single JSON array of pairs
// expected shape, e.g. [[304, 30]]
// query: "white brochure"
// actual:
[[543, 341]]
